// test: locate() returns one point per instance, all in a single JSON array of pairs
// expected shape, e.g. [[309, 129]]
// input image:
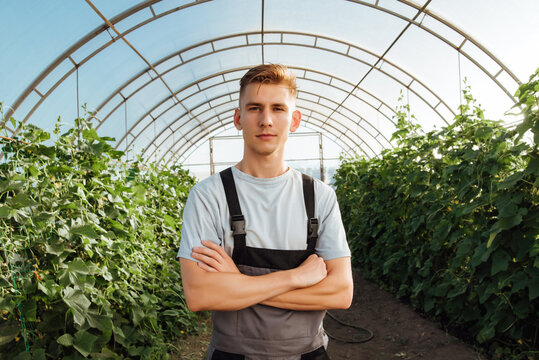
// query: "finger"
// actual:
[[206, 260], [210, 244], [215, 247], [206, 267], [208, 252]]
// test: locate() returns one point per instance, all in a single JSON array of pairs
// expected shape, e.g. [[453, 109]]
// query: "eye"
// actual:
[[253, 108], [279, 108]]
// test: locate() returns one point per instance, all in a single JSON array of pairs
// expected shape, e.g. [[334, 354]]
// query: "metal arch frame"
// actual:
[[125, 98], [67, 54], [423, 9], [202, 137], [247, 44], [151, 153], [222, 74], [337, 133], [72, 49]]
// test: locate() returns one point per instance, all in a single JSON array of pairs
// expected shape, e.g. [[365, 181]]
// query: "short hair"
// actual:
[[269, 74]]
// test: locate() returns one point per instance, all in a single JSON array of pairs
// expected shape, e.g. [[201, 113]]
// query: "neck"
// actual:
[[262, 168]]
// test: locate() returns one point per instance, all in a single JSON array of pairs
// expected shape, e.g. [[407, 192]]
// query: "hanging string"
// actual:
[[78, 104], [460, 80], [126, 134], [173, 147], [408, 101], [262, 32]]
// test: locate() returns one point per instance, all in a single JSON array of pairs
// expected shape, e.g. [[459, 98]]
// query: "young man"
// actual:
[[263, 246]]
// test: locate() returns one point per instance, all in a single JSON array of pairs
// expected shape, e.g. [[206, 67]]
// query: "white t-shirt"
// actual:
[[274, 211]]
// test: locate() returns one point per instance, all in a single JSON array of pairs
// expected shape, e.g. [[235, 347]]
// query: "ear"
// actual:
[[296, 120], [237, 117]]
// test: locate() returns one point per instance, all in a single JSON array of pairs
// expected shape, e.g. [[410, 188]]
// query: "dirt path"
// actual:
[[399, 332]]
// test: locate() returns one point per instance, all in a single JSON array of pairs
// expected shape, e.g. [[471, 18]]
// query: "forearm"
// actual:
[[334, 292], [230, 291]]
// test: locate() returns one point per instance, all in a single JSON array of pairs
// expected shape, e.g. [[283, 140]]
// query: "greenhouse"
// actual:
[[421, 116]]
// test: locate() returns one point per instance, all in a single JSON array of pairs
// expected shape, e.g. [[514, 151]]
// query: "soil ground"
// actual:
[[399, 332]]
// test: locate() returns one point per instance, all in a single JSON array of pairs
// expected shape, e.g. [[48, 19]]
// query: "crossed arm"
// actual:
[[215, 283]]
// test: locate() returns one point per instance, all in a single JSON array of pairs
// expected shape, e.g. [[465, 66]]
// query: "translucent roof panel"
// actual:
[[162, 76]]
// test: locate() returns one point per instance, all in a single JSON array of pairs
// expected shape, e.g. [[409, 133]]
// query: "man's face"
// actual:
[[266, 115]]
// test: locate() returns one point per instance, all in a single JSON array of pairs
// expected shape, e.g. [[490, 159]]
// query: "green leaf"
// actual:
[[49, 287], [511, 180], [21, 200], [78, 303], [84, 342], [38, 354], [522, 308], [29, 310], [78, 266], [5, 211], [491, 239], [508, 222], [441, 289], [458, 289], [101, 322], [486, 333], [500, 261], [23, 356], [171, 312], [442, 230], [533, 167], [54, 249], [65, 340], [138, 315], [519, 282], [8, 333], [84, 230], [484, 132], [10, 185], [533, 286]]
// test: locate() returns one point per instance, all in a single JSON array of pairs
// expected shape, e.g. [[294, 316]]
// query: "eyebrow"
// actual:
[[260, 104]]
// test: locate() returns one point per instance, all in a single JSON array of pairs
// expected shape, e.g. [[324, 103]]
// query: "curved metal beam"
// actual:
[[157, 147], [225, 82], [146, 4], [315, 37], [201, 137]]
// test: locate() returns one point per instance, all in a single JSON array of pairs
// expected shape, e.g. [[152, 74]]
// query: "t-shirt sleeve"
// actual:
[[199, 223], [332, 242]]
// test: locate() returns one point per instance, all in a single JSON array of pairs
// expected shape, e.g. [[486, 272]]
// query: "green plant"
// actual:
[[88, 251], [449, 220]]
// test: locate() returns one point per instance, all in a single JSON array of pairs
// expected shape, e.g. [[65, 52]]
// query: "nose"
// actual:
[[265, 118]]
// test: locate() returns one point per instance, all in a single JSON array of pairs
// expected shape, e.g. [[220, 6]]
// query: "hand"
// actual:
[[213, 258], [310, 272]]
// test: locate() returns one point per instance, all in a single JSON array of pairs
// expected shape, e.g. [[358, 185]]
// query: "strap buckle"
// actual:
[[237, 225], [312, 228]]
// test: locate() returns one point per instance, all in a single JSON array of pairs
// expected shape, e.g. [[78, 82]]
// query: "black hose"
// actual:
[[368, 338]]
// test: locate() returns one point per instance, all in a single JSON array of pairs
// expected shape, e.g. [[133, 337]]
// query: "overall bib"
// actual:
[[263, 332]]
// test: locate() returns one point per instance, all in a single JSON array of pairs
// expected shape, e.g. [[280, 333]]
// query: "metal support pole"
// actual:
[[212, 165], [322, 175]]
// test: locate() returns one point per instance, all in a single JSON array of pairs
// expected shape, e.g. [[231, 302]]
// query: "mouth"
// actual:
[[265, 136]]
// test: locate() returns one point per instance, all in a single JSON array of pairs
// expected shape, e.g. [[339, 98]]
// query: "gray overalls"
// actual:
[[263, 332]]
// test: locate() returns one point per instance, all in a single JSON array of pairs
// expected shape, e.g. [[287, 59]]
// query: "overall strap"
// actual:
[[312, 222], [237, 221]]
